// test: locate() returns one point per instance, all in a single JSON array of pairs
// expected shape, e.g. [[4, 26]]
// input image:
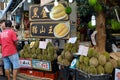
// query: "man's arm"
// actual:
[[0, 48], [16, 42]]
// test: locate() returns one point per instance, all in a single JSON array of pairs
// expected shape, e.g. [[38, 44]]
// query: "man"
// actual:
[[2, 24], [8, 41]]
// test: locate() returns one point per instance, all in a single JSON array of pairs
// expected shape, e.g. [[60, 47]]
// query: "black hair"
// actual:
[[1, 21], [17, 26], [8, 23]]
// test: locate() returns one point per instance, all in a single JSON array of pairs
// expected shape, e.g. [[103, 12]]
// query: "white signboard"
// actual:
[[25, 63], [42, 65]]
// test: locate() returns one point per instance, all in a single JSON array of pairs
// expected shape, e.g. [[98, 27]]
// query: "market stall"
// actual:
[[47, 25]]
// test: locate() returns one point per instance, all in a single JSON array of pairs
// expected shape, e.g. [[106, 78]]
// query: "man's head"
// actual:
[[8, 23], [2, 24]]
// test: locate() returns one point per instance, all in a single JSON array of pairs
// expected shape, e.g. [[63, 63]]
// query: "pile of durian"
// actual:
[[97, 63], [36, 53], [66, 56]]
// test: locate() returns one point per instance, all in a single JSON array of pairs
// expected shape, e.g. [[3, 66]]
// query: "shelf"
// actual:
[[116, 34]]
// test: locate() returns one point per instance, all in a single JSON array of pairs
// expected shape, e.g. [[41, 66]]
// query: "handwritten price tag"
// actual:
[[42, 44], [83, 50], [72, 40]]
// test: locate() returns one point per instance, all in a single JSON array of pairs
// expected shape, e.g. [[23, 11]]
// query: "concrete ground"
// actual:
[[3, 78]]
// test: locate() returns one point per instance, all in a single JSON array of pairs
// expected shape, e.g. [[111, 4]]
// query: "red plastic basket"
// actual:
[[23, 71], [53, 76], [30, 72], [41, 74]]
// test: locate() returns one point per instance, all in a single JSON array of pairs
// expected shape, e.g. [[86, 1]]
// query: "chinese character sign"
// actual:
[[50, 30]]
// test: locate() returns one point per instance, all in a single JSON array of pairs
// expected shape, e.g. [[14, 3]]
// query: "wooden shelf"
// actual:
[[116, 34]]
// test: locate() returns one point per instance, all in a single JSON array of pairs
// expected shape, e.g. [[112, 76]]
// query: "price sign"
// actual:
[[43, 44], [25, 63], [83, 50], [72, 40], [42, 65]]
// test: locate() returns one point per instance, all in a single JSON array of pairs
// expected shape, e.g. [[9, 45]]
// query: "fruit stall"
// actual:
[[39, 56], [72, 50]]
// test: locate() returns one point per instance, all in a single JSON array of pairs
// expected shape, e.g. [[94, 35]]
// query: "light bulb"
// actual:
[[55, 3], [93, 20], [29, 1], [70, 1]]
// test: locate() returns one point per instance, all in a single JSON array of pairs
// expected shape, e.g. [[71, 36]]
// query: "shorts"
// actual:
[[13, 59]]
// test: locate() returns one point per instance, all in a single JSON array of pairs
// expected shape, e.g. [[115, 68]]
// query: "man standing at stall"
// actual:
[[8, 41]]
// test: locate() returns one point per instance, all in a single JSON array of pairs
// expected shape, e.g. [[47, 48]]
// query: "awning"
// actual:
[[20, 4], [2, 12]]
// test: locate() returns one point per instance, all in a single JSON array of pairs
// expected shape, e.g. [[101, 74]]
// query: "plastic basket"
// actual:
[[66, 73], [81, 75], [53, 76]]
